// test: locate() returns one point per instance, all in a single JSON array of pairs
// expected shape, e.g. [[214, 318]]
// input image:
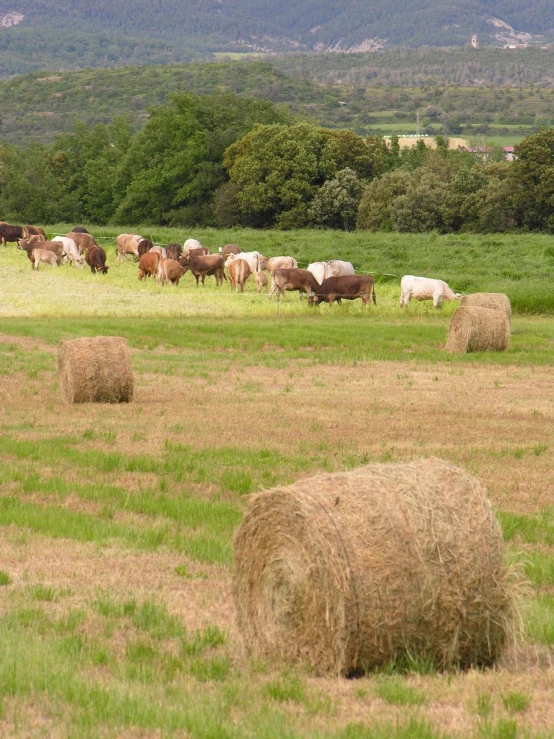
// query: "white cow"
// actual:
[[252, 257], [159, 250], [127, 243], [272, 263], [71, 250], [191, 244], [319, 270], [425, 288], [337, 268]]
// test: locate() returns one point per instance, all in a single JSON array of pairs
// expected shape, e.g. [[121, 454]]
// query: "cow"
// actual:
[[144, 246], [272, 263], [53, 246], [347, 287], [239, 272], [84, 241], [36, 238], [174, 251], [160, 250], [191, 244], [292, 279], [34, 231], [425, 288], [202, 251], [252, 257], [203, 266], [11, 233], [70, 250], [261, 279], [148, 264], [96, 259], [80, 230], [337, 268], [44, 255], [127, 244], [169, 271], [230, 249], [320, 270]]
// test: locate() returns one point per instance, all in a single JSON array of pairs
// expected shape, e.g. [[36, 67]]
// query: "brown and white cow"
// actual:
[[292, 279], [345, 287], [126, 244]]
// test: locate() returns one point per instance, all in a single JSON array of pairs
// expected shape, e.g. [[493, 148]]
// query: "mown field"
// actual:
[[116, 522]]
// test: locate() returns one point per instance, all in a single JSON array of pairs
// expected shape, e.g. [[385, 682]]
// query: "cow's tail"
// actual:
[[373, 295]]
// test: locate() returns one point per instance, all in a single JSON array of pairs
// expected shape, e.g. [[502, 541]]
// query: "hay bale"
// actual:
[[474, 329], [348, 571], [95, 370], [494, 301]]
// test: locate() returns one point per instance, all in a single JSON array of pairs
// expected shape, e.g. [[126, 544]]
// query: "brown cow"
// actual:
[[261, 280], [53, 246], [11, 233], [80, 230], [96, 259], [84, 241], [292, 279], [46, 256], [37, 238], [273, 263], [148, 264], [169, 271], [144, 246], [34, 231], [174, 251], [230, 249], [203, 266], [347, 287], [239, 272]]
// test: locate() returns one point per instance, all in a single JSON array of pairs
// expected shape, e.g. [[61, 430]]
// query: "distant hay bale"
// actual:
[[95, 370], [495, 301], [474, 329], [347, 572]]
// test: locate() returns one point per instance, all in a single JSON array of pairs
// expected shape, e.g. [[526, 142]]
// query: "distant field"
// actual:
[[117, 522]]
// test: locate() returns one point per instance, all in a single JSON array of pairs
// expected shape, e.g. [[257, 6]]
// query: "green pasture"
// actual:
[[114, 664]]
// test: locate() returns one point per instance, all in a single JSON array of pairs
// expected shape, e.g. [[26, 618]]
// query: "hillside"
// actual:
[[287, 25], [37, 107]]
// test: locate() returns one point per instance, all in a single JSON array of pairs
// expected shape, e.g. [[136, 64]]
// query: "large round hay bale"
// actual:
[[474, 329], [495, 301], [96, 370], [346, 572]]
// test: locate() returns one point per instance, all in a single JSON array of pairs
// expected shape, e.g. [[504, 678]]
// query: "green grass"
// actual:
[[5, 579], [398, 692], [516, 702]]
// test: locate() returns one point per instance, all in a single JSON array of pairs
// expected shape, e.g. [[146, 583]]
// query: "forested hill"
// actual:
[[279, 25]]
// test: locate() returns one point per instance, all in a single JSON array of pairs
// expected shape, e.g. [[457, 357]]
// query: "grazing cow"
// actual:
[[252, 257], [320, 270], [84, 241], [347, 287], [239, 272], [53, 246], [34, 231], [80, 230], [148, 264], [36, 238], [127, 244], [337, 268], [230, 249], [292, 279], [159, 250], [191, 244], [70, 249], [44, 255], [174, 251], [204, 266], [11, 233], [144, 246], [272, 263], [261, 280], [425, 288], [169, 271], [96, 260]]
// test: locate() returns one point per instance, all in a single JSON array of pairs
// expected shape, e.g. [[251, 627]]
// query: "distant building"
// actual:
[[484, 152], [475, 41]]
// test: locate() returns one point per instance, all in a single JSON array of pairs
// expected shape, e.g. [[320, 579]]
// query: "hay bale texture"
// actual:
[[96, 370], [494, 301], [345, 572], [474, 329]]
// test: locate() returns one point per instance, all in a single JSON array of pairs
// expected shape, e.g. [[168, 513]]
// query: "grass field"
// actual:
[[116, 522]]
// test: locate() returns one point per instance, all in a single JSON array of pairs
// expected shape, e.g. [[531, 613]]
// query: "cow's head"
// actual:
[[22, 244]]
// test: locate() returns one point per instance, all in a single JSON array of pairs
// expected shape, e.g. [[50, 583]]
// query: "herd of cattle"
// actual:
[[329, 282]]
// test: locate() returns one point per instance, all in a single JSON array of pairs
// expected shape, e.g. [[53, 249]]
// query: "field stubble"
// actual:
[[117, 521]]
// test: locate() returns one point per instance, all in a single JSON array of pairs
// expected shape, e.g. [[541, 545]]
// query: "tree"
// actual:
[[419, 209], [336, 202], [532, 178], [376, 209]]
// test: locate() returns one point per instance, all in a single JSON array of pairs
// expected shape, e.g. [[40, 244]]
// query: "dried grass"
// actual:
[[96, 370], [349, 571], [495, 301], [474, 329]]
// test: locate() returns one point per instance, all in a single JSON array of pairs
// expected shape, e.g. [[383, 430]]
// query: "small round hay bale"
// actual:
[[495, 301], [474, 329], [95, 370], [346, 572]]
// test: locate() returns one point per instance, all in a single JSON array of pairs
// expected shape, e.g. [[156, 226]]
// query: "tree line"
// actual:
[[225, 160]]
